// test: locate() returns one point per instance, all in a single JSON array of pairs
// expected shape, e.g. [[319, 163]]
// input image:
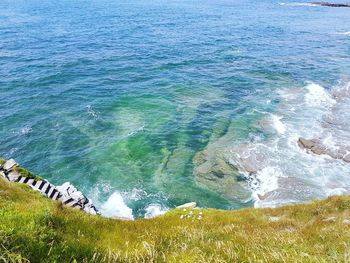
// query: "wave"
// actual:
[[128, 205], [154, 210], [344, 33], [115, 207], [276, 169], [298, 4]]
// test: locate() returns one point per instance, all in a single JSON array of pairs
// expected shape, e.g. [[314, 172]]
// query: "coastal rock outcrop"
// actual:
[[330, 4], [214, 170], [317, 147], [66, 193]]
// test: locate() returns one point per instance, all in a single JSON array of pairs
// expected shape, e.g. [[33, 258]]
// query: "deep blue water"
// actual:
[[121, 96]]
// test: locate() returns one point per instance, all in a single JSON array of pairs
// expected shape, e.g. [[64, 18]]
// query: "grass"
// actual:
[[36, 229], [27, 173], [24, 172]]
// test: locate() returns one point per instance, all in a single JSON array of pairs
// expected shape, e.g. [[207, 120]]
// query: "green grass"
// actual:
[[27, 173], [24, 172], [36, 229]]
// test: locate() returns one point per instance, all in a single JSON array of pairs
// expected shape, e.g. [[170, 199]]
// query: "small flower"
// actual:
[[199, 217], [184, 209], [191, 212], [200, 213], [182, 216]]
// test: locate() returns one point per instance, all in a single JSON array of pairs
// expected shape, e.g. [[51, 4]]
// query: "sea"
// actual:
[[146, 105]]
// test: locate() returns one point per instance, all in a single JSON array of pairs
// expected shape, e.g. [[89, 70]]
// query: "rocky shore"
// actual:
[[66, 193], [317, 147], [330, 4]]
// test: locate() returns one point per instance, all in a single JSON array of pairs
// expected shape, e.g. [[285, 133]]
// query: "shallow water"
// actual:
[[146, 105]]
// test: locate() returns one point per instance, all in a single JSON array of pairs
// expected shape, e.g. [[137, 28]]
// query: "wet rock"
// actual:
[[314, 145], [241, 178], [318, 149], [188, 205], [264, 196], [214, 171], [304, 143], [248, 157], [249, 166], [330, 219], [335, 154], [346, 158]]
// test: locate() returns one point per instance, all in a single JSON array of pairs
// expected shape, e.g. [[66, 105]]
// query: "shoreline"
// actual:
[[46, 231]]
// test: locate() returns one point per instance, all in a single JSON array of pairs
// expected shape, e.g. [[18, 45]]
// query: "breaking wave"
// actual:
[[115, 207], [298, 4], [277, 170]]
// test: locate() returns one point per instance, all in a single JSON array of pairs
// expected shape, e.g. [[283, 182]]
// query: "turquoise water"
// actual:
[[148, 99]]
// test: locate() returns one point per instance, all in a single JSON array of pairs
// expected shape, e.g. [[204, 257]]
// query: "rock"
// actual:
[[330, 4], [335, 154], [264, 196], [330, 219], [304, 143], [249, 166], [188, 205], [346, 158], [318, 149], [274, 218], [346, 221], [13, 175], [10, 164]]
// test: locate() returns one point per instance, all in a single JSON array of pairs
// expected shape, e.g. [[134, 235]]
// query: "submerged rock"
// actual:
[[213, 169]]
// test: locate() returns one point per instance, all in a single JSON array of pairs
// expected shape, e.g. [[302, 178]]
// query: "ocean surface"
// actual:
[[146, 105]]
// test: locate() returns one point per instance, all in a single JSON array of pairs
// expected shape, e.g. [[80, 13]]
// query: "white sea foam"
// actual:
[[277, 169], [298, 4], [154, 210], [137, 130], [91, 111], [317, 96], [115, 207], [278, 124], [24, 130], [344, 33]]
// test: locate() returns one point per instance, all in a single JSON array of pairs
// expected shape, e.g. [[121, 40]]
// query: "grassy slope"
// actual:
[[39, 230]]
